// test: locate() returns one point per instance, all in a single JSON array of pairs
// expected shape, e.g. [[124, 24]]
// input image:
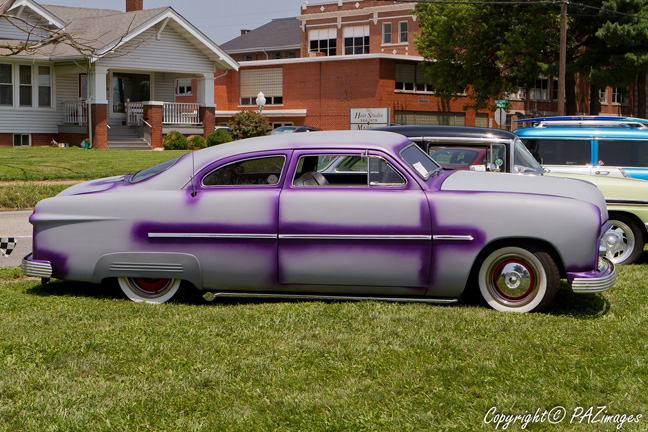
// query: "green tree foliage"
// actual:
[[247, 124], [486, 50]]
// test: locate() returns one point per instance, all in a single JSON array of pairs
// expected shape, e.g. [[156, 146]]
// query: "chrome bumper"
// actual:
[[599, 280], [35, 268]]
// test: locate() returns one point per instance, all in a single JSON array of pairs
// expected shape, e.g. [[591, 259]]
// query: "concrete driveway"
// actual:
[[16, 224]]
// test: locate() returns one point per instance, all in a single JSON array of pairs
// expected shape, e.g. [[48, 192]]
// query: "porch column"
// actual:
[[205, 98], [153, 116], [98, 127]]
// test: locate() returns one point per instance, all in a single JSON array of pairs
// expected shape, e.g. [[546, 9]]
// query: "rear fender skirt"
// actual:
[[150, 265]]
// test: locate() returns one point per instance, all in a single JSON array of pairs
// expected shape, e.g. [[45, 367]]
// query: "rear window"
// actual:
[[147, 173], [560, 152], [623, 153]]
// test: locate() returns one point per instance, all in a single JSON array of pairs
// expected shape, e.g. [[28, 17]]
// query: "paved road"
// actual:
[[16, 224]]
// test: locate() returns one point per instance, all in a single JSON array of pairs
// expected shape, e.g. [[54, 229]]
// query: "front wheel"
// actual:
[[147, 290], [623, 241], [515, 279]]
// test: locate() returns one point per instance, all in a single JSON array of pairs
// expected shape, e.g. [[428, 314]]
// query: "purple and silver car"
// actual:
[[262, 217]]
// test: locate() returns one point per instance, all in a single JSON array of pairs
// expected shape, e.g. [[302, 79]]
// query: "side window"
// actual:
[[346, 170], [628, 153], [560, 152], [255, 171]]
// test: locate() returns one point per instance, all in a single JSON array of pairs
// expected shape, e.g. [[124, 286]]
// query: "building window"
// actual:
[[323, 41], [44, 87], [387, 33], [430, 118], [25, 75], [603, 96], [402, 31], [618, 97], [541, 90], [554, 89], [411, 78], [247, 57], [22, 140], [183, 87], [291, 54], [481, 120], [356, 40], [6, 84], [277, 55], [83, 86], [269, 81]]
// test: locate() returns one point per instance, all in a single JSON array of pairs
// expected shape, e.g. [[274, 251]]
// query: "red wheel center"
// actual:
[[150, 285], [512, 279]]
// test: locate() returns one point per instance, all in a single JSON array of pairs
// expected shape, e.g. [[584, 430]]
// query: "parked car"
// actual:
[[459, 158], [626, 198], [600, 146], [259, 218], [293, 129]]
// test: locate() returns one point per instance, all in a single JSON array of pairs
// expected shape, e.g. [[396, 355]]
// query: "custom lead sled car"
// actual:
[[259, 218]]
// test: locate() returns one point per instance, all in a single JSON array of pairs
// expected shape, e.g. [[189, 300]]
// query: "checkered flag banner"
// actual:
[[7, 245]]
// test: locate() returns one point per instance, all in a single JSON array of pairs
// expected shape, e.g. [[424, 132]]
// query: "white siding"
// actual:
[[164, 88], [171, 53], [9, 31]]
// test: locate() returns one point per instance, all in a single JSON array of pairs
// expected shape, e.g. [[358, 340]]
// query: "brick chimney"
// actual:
[[134, 5]]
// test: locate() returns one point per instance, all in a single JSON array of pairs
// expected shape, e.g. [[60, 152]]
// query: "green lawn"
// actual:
[[52, 163], [77, 357]]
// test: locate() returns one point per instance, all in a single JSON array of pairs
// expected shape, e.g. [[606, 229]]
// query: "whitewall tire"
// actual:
[[147, 290]]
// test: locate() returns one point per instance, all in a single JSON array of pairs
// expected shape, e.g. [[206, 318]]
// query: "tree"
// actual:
[[491, 50], [247, 124]]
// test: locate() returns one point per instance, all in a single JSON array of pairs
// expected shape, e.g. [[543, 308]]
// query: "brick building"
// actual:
[[345, 54]]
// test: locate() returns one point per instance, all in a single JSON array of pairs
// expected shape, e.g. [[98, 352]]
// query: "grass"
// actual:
[[25, 195], [51, 163], [77, 357]]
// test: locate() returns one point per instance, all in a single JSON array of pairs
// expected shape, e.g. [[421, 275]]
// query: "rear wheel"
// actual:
[[515, 279], [148, 290], [623, 241]]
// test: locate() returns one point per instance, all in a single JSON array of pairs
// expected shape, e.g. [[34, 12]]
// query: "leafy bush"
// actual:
[[174, 140], [248, 124], [196, 142], [219, 136]]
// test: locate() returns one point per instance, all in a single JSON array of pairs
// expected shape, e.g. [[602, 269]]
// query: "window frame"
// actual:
[[386, 33], [9, 85], [239, 159], [179, 86], [39, 86], [28, 87], [403, 36], [22, 136]]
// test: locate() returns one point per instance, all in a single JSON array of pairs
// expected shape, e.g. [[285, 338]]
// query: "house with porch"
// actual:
[[118, 78]]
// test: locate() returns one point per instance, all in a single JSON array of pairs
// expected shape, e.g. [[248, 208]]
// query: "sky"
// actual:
[[220, 20]]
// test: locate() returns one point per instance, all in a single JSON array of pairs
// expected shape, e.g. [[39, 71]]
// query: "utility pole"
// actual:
[[563, 58]]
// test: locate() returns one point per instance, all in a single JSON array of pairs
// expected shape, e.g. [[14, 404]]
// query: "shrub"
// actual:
[[219, 136], [196, 142], [174, 140], [248, 124]]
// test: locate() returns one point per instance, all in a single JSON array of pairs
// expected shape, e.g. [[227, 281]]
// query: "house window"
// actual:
[[387, 33], [247, 57], [541, 90], [323, 41], [356, 40], [402, 31], [183, 87], [83, 86], [25, 75], [618, 97], [44, 87], [277, 55], [21, 140], [291, 54], [411, 78], [6, 84], [603, 96], [269, 81]]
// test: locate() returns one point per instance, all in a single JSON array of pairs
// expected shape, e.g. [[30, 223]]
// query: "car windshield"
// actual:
[[524, 160], [420, 161], [147, 173]]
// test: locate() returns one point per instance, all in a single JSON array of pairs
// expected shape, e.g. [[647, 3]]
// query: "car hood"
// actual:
[[471, 181], [613, 188]]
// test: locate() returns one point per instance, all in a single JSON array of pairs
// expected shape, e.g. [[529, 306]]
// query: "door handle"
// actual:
[[602, 172]]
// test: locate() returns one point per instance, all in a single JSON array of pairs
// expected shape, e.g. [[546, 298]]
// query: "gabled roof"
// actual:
[[278, 34], [105, 29]]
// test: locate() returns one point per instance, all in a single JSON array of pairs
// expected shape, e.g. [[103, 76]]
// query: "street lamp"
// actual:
[[260, 101]]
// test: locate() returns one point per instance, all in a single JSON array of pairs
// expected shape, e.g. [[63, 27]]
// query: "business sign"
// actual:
[[368, 118]]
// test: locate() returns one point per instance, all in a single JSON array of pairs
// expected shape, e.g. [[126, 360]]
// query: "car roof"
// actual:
[[447, 131], [588, 132]]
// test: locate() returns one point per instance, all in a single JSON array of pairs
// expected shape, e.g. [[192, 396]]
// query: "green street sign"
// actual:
[[501, 103]]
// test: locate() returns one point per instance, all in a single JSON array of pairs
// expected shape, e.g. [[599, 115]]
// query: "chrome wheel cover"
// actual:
[[619, 242], [512, 280]]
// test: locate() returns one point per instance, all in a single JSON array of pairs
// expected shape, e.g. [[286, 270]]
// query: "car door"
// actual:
[[372, 235]]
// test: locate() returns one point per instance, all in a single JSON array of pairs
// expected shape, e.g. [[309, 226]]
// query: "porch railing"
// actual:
[[76, 112], [181, 113], [134, 113]]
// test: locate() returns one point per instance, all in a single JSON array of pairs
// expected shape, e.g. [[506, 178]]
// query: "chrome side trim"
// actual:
[[213, 235], [211, 296], [146, 267], [626, 201], [352, 237], [32, 268], [454, 237]]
